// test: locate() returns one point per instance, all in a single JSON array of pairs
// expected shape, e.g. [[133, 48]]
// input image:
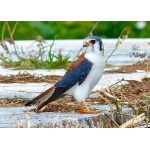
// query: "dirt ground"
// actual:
[[137, 67], [28, 78]]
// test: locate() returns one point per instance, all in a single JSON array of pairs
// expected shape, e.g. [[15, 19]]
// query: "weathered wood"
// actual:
[[19, 117], [134, 121], [31, 90]]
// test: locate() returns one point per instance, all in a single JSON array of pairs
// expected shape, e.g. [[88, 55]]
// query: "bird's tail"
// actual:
[[44, 95]]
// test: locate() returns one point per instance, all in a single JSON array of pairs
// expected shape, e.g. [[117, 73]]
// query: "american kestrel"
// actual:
[[80, 78]]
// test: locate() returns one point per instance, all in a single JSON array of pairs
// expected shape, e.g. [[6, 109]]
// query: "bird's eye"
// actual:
[[93, 41]]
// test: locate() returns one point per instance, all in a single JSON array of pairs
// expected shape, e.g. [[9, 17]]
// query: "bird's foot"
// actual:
[[87, 111]]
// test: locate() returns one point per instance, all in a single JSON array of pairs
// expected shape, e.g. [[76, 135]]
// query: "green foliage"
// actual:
[[53, 61], [28, 30], [32, 61], [3, 30]]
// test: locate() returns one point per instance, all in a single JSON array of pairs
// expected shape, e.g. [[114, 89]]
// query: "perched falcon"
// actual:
[[80, 78]]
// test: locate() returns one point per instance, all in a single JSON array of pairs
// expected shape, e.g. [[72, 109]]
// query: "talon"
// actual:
[[85, 110]]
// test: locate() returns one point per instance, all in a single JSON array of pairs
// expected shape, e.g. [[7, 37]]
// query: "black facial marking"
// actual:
[[94, 39]]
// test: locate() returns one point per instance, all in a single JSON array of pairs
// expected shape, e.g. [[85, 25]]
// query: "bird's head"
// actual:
[[93, 44]]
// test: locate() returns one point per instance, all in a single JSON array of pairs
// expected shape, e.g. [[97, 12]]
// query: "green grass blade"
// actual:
[[3, 30]]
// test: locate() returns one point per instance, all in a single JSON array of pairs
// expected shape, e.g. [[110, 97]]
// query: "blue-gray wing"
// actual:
[[77, 75]]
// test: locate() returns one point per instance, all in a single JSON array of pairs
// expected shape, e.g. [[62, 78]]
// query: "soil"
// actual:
[[28, 78], [137, 67]]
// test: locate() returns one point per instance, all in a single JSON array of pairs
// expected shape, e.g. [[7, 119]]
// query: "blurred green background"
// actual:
[[29, 30]]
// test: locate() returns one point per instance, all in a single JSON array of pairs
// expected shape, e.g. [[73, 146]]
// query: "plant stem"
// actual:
[[117, 44]]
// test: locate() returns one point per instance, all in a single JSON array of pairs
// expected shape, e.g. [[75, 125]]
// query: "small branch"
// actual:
[[133, 122], [117, 44], [110, 105], [112, 120], [14, 28], [117, 82], [90, 33], [108, 94]]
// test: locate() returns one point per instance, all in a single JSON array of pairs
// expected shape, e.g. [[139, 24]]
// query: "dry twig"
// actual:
[[134, 121]]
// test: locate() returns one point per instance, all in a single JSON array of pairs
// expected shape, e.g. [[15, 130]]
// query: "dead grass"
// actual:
[[12, 102], [28, 78], [142, 66], [133, 94], [117, 95]]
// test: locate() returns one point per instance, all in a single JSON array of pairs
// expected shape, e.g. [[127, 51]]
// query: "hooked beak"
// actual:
[[86, 44]]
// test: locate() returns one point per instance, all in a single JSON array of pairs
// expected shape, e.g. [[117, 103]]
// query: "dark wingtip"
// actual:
[[28, 104]]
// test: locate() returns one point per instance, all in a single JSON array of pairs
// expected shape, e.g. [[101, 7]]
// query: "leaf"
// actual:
[[3, 30]]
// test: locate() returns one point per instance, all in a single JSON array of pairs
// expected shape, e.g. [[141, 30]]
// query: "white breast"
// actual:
[[81, 92]]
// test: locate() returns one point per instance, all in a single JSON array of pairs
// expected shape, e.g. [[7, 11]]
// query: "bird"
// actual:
[[79, 80]]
